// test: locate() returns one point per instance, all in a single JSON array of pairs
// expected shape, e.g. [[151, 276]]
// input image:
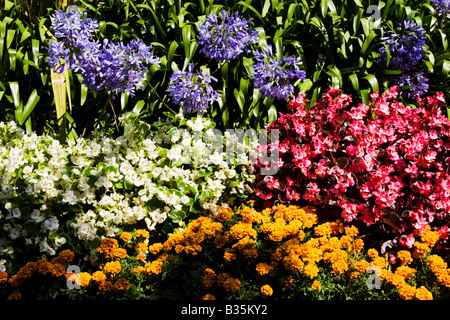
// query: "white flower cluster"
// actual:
[[93, 188]]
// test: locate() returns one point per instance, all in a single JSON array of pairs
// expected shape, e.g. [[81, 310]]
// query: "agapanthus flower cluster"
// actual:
[[192, 91], [225, 37], [386, 171], [406, 50], [442, 6], [272, 75], [110, 66]]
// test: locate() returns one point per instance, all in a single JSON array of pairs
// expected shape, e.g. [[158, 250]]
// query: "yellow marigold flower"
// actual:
[[406, 292], [107, 247], [140, 257], [121, 285], [311, 270], [241, 230], [372, 253], [173, 240], [229, 256], [263, 268], [142, 247], [358, 246], [293, 263], [3, 277], [323, 230], [346, 241], [155, 248], [316, 285], [354, 275], [351, 231], [361, 266], [339, 266], [106, 286], [84, 279], [420, 250], [141, 233], [405, 271], [125, 236], [98, 277], [113, 267], [119, 253], [231, 285], [67, 255], [15, 295], [224, 215], [209, 297], [422, 293], [380, 262], [404, 256], [430, 237], [266, 290], [397, 280]]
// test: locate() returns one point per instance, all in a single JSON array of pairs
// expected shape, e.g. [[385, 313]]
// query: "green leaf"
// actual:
[[14, 86], [29, 107]]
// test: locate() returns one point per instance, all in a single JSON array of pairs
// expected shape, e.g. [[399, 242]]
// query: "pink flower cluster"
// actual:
[[382, 162]]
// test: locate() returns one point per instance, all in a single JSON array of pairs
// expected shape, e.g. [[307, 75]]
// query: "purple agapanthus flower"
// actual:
[[406, 48], [271, 75], [110, 66], [192, 90], [442, 6], [418, 82], [225, 38]]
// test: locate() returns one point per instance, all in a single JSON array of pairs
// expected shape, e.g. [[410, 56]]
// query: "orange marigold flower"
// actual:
[[67, 255], [140, 257], [155, 248], [323, 230], [420, 250], [98, 277], [179, 248], [225, 214], [208, 278], [316, 285], [310, 270], [44, 267], [141, 233], [84, 279], [404, 256], [3, 277], [263, 268], [405, 271], [209, 297], [58, 270], [15, 295], [107, 247], [288, 282], [241, 230], [406, 292], [362, 265], [231, 285], [373, 253], [106, 286], [125, 236], [142, 247], [266, 290], [229, 256], [430, 237], [113, 267], [422, 293], [119, 253], [121, 285], [339, 266], [351, 231]]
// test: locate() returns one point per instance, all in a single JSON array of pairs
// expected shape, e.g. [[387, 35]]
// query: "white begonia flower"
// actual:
[[14, 233], [184, 199], [27, 170], [220, 175], [51, 224], [36, 215], [231, 173], [8, 205], [174, 153], [59, 241], [2, 265], [16, 213]]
